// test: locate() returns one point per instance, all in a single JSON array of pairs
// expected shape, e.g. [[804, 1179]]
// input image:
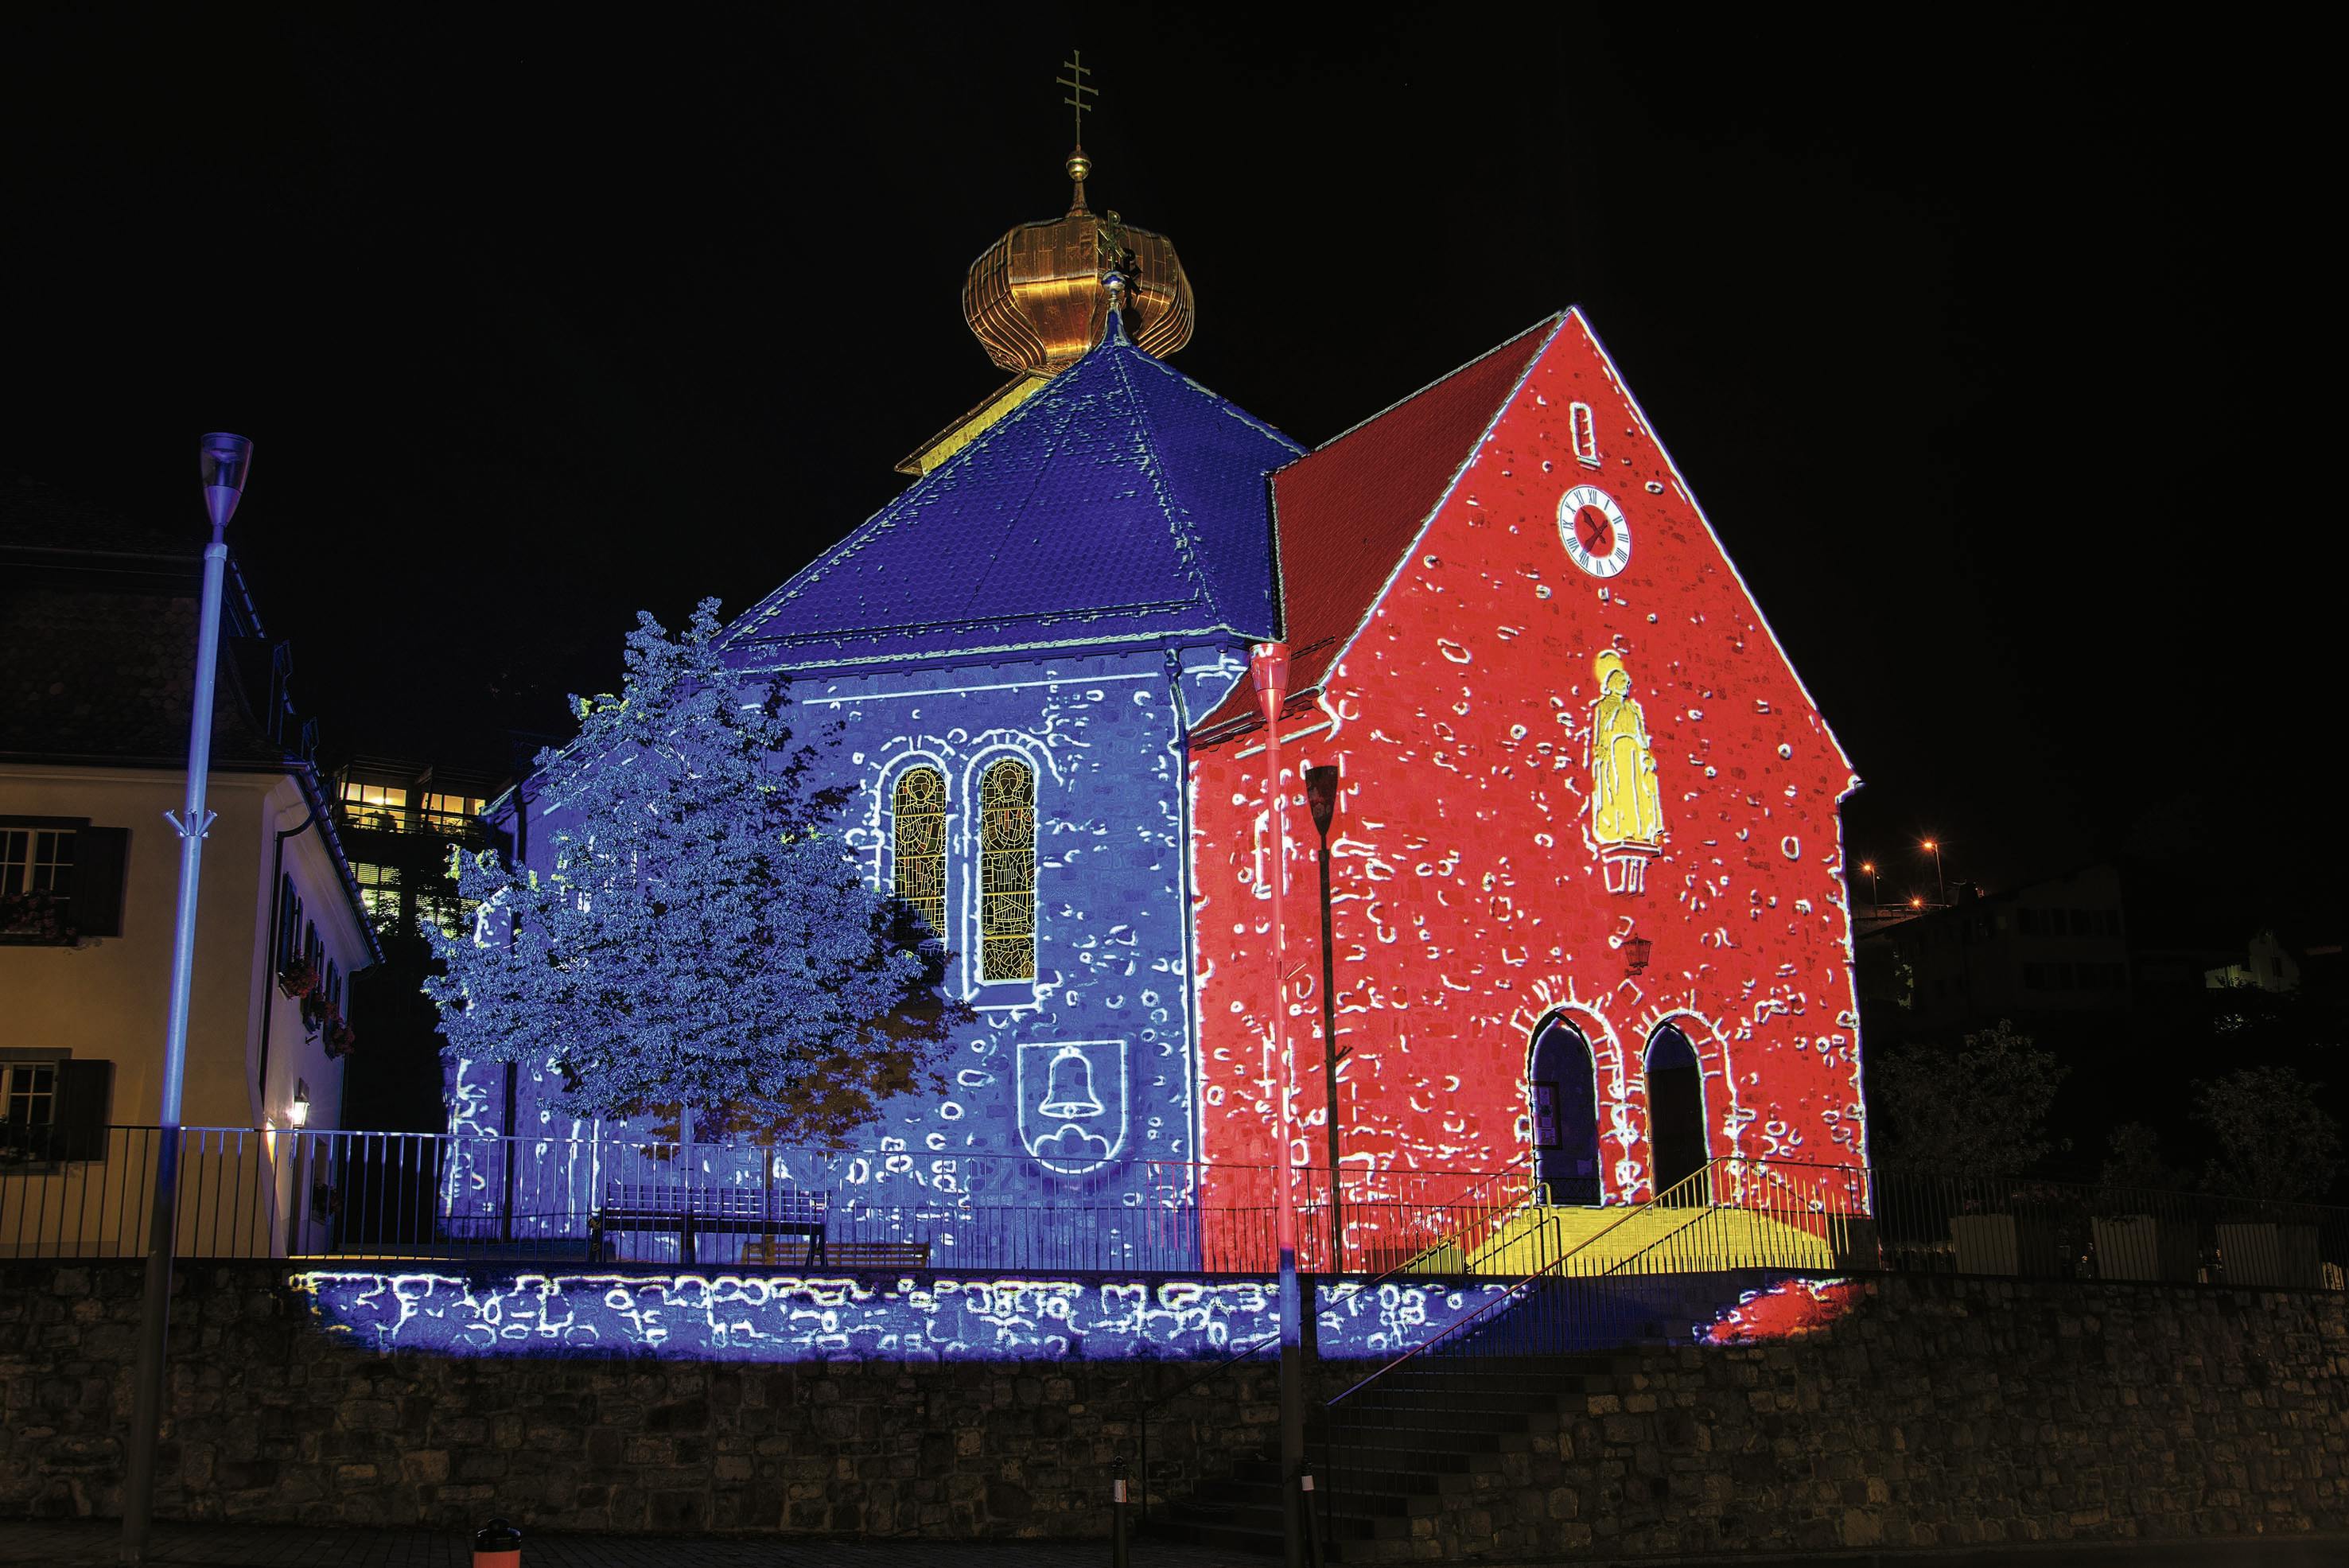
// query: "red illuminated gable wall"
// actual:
[[1470, 900]]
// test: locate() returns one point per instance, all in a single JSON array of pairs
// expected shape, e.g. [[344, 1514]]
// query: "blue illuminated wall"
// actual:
[[1072, 587], [810, 1317], [979, 1172]]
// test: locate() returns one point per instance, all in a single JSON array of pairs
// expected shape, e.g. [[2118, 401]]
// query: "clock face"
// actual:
[[1594, 530]]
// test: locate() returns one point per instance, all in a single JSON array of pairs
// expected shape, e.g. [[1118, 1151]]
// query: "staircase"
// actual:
[[1419, 1441], [1648, 1239]]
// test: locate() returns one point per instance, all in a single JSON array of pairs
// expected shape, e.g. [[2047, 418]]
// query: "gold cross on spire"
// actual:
[[1078, 90]]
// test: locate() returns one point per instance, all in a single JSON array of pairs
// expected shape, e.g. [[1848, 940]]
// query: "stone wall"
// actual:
[[1944, 1411], [1939, 1411], [272, 1419]]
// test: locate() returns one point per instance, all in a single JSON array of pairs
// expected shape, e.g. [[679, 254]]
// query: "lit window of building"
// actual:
[[379, 892], [444, 812], [383, 806]]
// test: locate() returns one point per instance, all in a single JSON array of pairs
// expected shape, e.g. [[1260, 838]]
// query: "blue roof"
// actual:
[[1120, 502]]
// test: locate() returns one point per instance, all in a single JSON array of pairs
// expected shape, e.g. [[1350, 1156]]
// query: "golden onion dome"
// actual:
[[1041, 296]]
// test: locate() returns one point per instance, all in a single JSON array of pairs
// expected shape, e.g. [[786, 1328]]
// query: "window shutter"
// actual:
[[85, 1096], [100, 856]]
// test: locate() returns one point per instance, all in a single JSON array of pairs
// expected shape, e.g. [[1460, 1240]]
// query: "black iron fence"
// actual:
[[246, 1192], [360, 1196]]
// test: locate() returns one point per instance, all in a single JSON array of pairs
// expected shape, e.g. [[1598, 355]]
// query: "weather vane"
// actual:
[[1075, 82]]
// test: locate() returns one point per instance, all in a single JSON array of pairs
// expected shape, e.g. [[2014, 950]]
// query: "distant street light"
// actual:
[[1940, 888], [1875, 893], [225, 461]]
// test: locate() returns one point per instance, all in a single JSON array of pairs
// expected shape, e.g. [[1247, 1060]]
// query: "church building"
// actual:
[[1585, 907]]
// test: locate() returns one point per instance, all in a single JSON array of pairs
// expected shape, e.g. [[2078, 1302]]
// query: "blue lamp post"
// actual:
[[226, 460]]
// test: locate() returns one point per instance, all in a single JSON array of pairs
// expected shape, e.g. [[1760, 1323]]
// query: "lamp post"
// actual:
[[1940, 888], [1321, 795], [1875, 893], [225, 461], [1269, 666]]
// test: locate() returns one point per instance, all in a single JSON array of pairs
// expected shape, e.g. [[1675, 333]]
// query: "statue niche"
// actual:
[[1627, 813]]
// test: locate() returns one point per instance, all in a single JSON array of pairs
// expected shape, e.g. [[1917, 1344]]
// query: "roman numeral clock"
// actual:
[[1596, 536]]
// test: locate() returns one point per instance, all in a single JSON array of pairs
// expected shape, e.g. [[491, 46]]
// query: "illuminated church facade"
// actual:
[[1587, 913]]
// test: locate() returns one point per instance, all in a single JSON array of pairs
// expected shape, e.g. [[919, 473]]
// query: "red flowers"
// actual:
[[298, 979]]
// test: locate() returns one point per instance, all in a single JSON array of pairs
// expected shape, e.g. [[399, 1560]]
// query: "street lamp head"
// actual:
[[1867, 867], [226, 458], [1916, 901], [1268, 665], [1321, 795], [1932, 844]]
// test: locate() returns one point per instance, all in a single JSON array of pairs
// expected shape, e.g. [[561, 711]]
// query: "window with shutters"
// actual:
[[52, 1107], [60, 879], [30, 1094], [1006, 871]]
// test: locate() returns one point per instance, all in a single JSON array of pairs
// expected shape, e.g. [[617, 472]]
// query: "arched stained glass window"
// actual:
[[918, 813], [1007, 872]]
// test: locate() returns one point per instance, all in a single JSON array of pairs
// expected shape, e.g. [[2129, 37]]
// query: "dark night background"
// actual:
[[1987, 340]]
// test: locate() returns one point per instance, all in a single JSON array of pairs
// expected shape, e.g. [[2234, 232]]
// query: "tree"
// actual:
[[1982, 1108], [2133, 1159], [2275, 1140], [706, 940]]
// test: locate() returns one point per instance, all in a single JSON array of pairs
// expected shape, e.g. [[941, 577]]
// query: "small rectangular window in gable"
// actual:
[[1586, 433]]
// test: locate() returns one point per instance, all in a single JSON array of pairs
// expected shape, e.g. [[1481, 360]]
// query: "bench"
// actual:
[[851, 1255], [689, 1213]]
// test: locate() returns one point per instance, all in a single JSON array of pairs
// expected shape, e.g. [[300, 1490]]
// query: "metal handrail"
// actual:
[[1510, 1295], [1456, 1238]]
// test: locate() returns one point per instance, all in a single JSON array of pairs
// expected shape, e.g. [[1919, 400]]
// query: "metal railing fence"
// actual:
[[358, 1196], [1660, 1272]]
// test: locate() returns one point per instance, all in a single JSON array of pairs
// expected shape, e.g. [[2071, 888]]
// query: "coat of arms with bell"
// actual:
[[1073, 1102], [1068, 1093]]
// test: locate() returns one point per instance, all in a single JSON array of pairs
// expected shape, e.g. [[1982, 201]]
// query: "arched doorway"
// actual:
[[1676, 1108], [1565, 1096]]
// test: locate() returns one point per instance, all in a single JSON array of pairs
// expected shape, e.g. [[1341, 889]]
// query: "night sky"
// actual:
[[1993, 347]]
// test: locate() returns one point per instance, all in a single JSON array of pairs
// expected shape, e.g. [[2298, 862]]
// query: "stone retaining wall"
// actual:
[[1939, 1411], [1945, 1411]]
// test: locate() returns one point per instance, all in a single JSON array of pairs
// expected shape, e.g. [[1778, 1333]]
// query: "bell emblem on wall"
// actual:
[[1068, 1088]]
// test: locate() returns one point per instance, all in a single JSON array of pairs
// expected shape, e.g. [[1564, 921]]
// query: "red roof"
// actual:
[[1344, 516]]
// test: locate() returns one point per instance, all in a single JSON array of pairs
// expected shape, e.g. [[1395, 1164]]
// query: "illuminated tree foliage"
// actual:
[[706, 940]]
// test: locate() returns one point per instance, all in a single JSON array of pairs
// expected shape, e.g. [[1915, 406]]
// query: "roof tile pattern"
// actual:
[[1123, 501], [1347, 513]]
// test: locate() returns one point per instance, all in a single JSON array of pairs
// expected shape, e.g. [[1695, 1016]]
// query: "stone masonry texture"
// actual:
[[1942, 1411]]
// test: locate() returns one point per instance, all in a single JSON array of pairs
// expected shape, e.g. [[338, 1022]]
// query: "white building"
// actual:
[[98, 635]]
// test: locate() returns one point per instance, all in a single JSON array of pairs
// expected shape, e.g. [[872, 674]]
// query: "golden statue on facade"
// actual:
[[1626, 806]]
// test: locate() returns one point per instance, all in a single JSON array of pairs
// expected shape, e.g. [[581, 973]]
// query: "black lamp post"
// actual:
[[1321, 795]]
